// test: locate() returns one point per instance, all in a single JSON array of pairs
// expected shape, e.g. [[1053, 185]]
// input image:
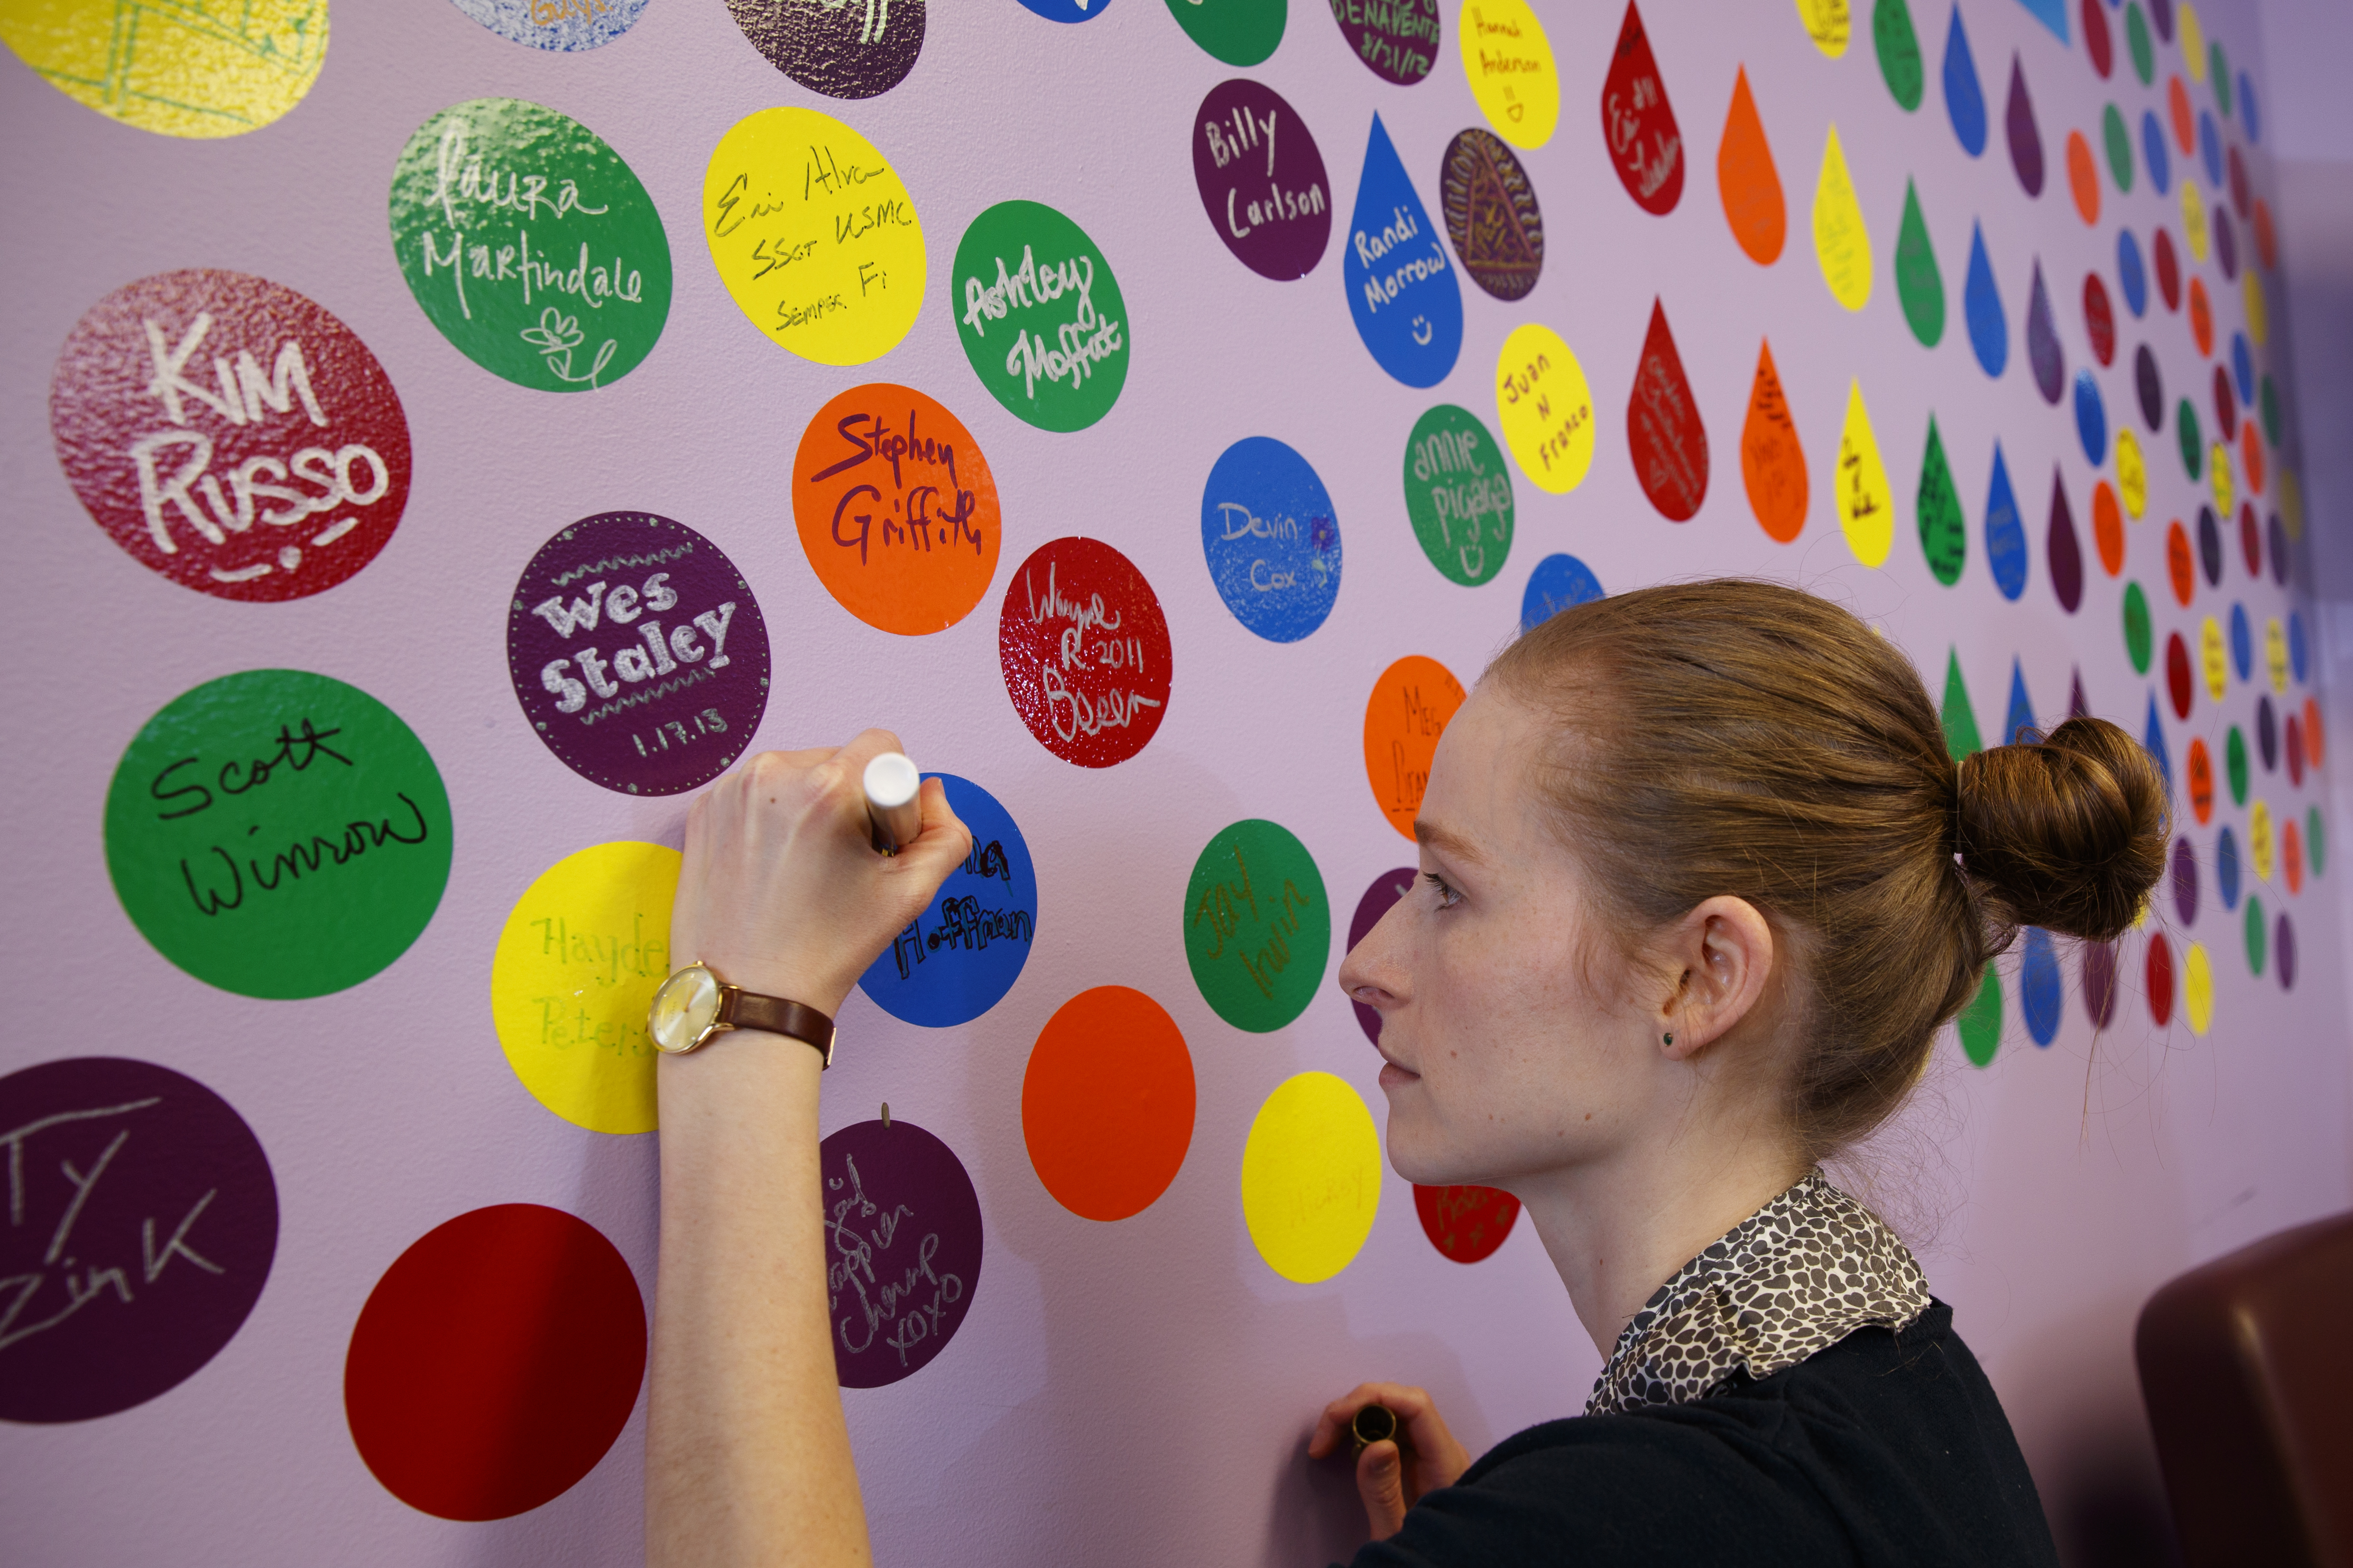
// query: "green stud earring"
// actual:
[[1670, 1039]]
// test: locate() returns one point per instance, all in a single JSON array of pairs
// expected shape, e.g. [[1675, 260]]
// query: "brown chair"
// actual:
[[2246, 1366]]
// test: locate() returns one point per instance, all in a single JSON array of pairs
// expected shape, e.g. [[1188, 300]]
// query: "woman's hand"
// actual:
[[782, 891], [1389, 1481]]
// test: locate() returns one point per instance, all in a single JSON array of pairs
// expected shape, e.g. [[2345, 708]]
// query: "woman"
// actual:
[[1700, 885]]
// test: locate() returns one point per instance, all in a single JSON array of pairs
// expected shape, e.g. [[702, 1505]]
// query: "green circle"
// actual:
[[2258, 938], [2144, 57], [2185, 429], [1239, 32], [2137, 628], [1458, 491], [278, 834], [2316, 840], [1039, 315], [1258, 928], [2271, 406], [2120, 151], [1979, 1023], [2234, 765], [2218, 69], [530, 245]]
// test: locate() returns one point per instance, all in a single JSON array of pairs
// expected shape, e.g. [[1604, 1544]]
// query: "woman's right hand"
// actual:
[[1388, 1481]]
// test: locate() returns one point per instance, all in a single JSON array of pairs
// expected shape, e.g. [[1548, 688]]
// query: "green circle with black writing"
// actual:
[[278, 834], [1040, 316], [1258, 928], [531, 244], [1458, 491], [1239, 32]]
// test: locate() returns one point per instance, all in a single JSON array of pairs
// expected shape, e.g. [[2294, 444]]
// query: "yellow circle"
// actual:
[[175, 68], [2132, 475], [2218, 668], [2198, 988], [815, 235], [2259, 838], [1545, 408], [2251, 289], [2193, 41], [1311, 1177], [2219, 460], [1508, 61], [2275, 654], [577, 964], [2193, 221]]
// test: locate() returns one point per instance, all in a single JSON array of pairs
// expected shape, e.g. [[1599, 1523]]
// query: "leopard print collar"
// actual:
[[1796, 1277]]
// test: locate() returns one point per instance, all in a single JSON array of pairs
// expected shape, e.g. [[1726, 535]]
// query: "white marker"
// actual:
[[892, 786]]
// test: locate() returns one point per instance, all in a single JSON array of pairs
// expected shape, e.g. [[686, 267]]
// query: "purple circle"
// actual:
[[141, 1223], [1261, 180], [2185, 881], [903, 1249], [2100, 983], [639, 653], [2283, 951], [1387, 890]]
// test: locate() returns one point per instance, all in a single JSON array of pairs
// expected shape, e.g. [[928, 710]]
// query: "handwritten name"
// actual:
[[663, 653], [1374, 248], [1079, 344], [914, 1302]]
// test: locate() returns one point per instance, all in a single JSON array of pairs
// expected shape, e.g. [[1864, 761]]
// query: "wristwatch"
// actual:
[[694, 1005]]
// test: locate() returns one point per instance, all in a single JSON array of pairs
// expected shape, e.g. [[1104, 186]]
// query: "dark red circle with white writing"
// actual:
[[903, 1249], [854, 50], [1262, 179], [639, 653], [231, 434], [1465, 1224], [1085, 652], [1491, 214], [142, 1220], [1387, 890], [1397, 39]]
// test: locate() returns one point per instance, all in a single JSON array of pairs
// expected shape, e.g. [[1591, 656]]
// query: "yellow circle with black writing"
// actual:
[[177, 70], [1509, 63], [2198, 988], [577, 967], [815, 235], [1311, 1177], [1545, 407]]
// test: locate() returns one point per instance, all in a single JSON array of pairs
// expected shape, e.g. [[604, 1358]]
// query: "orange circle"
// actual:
[[897, 509], [1408, 710], [2251, 450], [2291, 856], [2176, 102], [2201, 317], [2108, 528], [1107, 1103], [2082, 176], [2178, 564], [2201, 780], [2312, 746]]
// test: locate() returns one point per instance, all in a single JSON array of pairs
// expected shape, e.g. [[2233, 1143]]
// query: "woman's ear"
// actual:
[[1721, 956]]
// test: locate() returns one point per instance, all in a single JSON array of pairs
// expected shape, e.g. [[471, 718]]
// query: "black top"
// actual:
[[1885, 1448]]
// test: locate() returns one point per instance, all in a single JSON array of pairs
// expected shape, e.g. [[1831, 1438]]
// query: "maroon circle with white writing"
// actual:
[[1085, 652], [141, 1224], [231, 434], [639, 653], [903, 1249]]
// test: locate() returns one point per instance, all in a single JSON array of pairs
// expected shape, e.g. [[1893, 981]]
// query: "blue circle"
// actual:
[[1067, 10], [2226, 868], [2242, 642], [960, 955], [2129, 275], [2247, 110], [580, 28], [2091, 418], [2297, 651], [1558, 582], [2210, 148], [2152, 149], [2242, 366], [1271, 539], [2040, 989]]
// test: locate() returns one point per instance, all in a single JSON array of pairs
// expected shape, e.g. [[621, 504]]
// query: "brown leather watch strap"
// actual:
[[749, 1010]]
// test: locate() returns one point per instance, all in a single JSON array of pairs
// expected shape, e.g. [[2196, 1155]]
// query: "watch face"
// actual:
[[683, 1008]]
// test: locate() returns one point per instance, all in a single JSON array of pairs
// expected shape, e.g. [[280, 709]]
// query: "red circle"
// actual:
[[2169, 269], [2250, 539], [495, 1362], [2160, 981], [231, 434], [2177, 674], [2099, 319], [1465, 1223], [1107, 1103], [2180, 568], [1084, 649]]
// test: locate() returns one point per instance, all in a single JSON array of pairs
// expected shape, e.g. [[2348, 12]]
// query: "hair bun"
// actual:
[[2066, 832]]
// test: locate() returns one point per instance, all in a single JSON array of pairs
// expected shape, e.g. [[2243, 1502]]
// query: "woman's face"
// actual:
[[1517, 1040]]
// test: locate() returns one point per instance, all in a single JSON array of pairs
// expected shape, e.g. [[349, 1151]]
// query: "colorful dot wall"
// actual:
[[475, 430]]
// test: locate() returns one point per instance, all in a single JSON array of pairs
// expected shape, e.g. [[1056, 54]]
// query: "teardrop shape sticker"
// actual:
[[1842, 243], [1827, 22], [1958, 716], [1772, 461], [2019, 716], [1866, 505], [2018, 126], [1401, 289], [1746, 179], [1637, 123], [2005, 534], [2062, 550], [1492, 214], [1663, 432], [1918, 283], [1981, 307], [1964, 99], [1944, 533], [2042, 353], [1899, 53]]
